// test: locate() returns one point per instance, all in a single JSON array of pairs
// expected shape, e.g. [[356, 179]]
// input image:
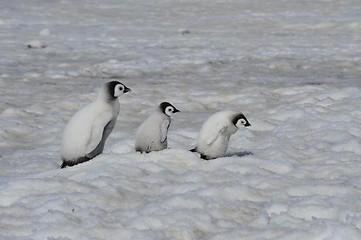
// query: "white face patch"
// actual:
[[118, 90], [241, 123], [169, 111]]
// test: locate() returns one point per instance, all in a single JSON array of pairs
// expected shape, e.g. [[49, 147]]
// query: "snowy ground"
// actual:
[[292, 67]]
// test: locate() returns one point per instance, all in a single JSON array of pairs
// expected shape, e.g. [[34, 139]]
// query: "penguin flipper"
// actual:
[[163, 130], [215, 134], [99, 131]]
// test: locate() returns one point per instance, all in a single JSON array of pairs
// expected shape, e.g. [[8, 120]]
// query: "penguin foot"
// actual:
[[76, 162], [64, 164], [202, 156], [70, 164], [205, 157]]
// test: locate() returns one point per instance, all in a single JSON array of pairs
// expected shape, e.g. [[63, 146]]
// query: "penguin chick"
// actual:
[[152, 134], [215, 133], [86, 132]]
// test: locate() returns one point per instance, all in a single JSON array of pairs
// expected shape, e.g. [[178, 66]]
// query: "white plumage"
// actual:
[[86, 132], [216, 131], [152, 134]]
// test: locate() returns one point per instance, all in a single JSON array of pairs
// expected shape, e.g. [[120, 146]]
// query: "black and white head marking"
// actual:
[[168, 109], [116, 89], [240, 120]]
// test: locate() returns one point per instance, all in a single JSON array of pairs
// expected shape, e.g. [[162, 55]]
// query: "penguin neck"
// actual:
[[232, 129], [104, 96], [161, 113]]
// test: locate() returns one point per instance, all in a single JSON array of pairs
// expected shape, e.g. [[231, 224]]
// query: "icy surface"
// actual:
[[292, 67]]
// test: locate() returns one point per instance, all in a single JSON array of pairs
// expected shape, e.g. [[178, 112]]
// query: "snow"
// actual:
[[292, 67]]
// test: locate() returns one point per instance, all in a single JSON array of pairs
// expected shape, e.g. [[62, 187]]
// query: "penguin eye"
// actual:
[[169, 110], [243, 121], [121, 88]]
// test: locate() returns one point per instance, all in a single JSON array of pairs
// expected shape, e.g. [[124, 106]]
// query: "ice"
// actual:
[[292, 67]]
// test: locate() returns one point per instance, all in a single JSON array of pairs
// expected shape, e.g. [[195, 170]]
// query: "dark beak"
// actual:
[[247, 124], [175, 110], [127, 90]]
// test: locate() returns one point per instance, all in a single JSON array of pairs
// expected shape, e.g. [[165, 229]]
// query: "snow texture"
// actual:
[[292, 67]]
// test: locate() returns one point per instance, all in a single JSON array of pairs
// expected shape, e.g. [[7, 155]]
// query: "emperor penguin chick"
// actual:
[[152, 134], [215, 133], [86, 132]]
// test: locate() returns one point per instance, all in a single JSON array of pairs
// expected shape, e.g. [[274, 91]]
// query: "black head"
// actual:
[[116, 89], [240, 120], [168, 109]]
